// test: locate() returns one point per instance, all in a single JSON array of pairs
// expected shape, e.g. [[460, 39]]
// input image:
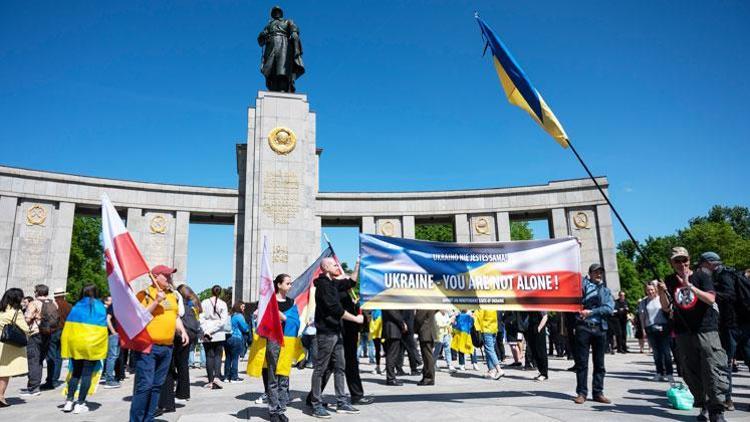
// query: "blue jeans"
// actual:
[[462, 360], [234, 348], [489, 350], [54, 359], [113, 351], [150, 373], [659, 341], [445, 345]]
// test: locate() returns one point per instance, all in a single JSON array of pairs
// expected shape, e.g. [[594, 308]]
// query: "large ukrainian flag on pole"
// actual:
[[518, 87]]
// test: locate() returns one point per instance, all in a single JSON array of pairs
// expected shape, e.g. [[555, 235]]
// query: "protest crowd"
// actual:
[[697, 336]]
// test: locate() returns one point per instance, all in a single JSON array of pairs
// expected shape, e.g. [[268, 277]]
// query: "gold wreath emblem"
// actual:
[[158, 224], [387, 228], [581, 220], [282, 140], [36, 216], [482, 226]]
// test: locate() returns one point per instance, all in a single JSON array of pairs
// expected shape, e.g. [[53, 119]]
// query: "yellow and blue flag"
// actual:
[[85, 337], [291, 352], [376, 324], [462, 334], [518, 87]]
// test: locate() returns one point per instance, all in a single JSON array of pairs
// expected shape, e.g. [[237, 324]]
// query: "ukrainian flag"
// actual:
[[462, 334], [376, 324], [518, 87], [85, 336], [291, 352]]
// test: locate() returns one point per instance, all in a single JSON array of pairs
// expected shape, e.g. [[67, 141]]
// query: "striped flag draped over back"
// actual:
[[84, 337], [518, 87], [303, 291], [124, 264], [462, 334]]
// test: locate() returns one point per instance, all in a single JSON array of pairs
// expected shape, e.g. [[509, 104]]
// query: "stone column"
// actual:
[[607, 247], [583, 223], [409, 226], [559, 223], [462, 228], [7, 223], [368, 225], [60, 248], [181, 234], [503, 226], [482, 228]]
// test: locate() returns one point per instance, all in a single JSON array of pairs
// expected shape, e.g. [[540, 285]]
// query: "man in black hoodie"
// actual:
[[328, 316]]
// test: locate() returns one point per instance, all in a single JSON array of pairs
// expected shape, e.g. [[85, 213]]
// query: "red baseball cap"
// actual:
[[163, 270]]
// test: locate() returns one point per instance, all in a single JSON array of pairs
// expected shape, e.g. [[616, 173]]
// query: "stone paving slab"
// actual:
[[458, 397]]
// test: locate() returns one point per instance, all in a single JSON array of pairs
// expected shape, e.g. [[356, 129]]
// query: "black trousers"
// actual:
[[538, 347], [428, 370], [378, 350], [409, 345], [177, 373], [595, 339], [622, 335], [213, 359], [121, 364], [351, 372], [392, 351]]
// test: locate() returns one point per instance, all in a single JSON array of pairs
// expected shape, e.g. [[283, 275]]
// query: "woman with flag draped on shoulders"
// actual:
[[461, 341], [274, 361], [84, 342]]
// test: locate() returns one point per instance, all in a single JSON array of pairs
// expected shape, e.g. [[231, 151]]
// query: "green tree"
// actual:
[[520, 230], [719, 237], [86, 264], [738, 217], [434, 232]]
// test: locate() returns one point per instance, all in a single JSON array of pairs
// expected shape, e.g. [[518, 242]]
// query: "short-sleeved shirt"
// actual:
[[111, 315], [162, 327], [699, 316]]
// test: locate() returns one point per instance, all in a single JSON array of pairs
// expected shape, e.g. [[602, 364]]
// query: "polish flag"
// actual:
[[124, 264], [269, 323]]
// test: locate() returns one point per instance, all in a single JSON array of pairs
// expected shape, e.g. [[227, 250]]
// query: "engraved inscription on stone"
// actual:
[[34, 251], [280, 254], [280, 195]]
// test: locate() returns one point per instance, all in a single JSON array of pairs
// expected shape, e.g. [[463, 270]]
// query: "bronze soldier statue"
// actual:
[[282, 52]]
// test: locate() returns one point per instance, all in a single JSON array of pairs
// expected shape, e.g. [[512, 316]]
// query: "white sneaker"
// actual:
[[498, 373], [68, 406], [655, 377], [461, 368], [262, 399], [451, 369], [80, 408], [475, 366]]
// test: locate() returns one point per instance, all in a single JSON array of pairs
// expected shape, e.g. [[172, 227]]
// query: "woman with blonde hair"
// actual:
[[12, 356]]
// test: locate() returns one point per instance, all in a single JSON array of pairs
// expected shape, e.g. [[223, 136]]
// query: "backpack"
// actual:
[[191, 324], [742, 294], [50, 318], [477, 339]]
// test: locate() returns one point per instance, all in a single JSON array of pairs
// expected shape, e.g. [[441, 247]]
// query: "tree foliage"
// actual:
[[724, 230], [434, 232], [86, 264], [520, 230]]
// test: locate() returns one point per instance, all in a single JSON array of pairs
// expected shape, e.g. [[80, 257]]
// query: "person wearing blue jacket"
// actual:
[[236, 342]]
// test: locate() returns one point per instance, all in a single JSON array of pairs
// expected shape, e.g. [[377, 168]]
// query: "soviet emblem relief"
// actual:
[[581, 220], [282, 140], [387, 228], [36, 216], [482, 226], [158, 224]]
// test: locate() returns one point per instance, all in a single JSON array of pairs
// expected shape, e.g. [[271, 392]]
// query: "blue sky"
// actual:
[[652, 93]]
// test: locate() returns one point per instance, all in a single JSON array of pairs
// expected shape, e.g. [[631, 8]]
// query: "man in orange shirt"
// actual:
[[151, 368]]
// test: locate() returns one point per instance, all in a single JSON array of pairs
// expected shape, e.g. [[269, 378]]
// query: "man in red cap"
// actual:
[[151, 368]]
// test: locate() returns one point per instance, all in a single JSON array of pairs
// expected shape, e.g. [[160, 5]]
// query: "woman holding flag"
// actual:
[[84, 341]]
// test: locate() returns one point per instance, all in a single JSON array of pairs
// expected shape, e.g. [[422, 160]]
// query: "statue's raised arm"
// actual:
[[282, 52]]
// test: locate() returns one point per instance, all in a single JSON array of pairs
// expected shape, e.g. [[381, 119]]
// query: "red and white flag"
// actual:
[[124, 264], [269, 323]]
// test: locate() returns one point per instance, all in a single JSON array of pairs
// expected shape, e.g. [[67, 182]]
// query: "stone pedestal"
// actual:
[[278, 176]]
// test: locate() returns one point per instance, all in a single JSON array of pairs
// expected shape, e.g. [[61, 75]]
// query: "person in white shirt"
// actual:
[[213, 322]]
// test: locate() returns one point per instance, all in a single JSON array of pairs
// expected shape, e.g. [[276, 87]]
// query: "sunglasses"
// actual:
[[681, 260]]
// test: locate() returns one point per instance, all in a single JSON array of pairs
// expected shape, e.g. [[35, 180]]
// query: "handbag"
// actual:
[[679, 397], [12, 334]]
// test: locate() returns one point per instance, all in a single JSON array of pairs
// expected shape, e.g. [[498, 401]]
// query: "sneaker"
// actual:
[[68, 407], [346, 408], [490, 374], [728, 405], [461, 368], [451, 369], [112, 384], [28, 393], [703, 415], [263, 399], [80, 408], [656, 377], [321, 413], [498, 374], [237, 381], [474, 366]]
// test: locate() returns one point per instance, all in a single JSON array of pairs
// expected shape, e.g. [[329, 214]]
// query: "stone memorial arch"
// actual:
[[278, 198]]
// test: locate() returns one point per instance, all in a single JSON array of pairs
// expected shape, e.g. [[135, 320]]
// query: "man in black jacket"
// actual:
[[394, 327], [409, 346], [328, 316]]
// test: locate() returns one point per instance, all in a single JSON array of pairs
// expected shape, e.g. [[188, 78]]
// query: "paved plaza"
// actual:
[[458, 397]]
